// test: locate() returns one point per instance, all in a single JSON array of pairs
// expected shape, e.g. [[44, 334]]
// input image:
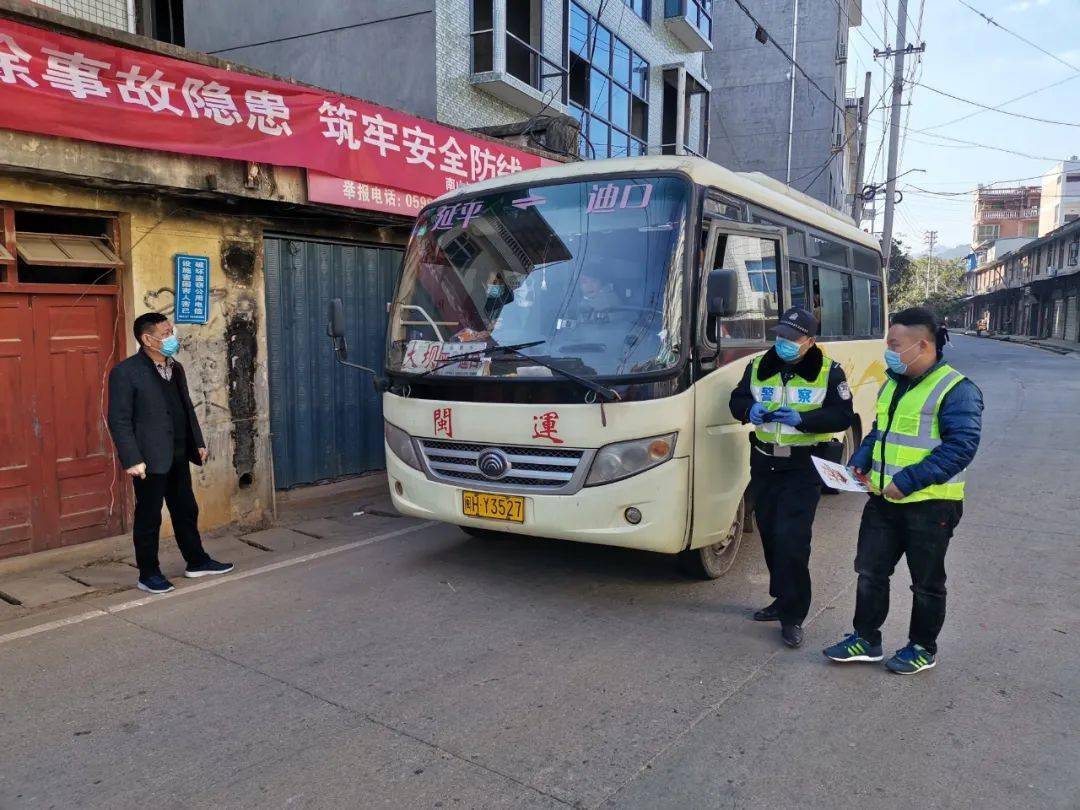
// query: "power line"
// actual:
[[982, 185], [768, 38], [319, 32], [839, 151], [991, 183], [988, 108], [1002, 104], [847, 16], [991, 21], [984, 146], [916, 66]]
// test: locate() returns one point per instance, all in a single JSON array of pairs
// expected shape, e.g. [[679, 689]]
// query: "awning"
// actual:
[[65, 250]]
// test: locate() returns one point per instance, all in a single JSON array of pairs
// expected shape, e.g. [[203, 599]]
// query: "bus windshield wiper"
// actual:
[[607, 394], [478, 354]]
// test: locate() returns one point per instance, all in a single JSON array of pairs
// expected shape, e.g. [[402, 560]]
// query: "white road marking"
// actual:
[[212, 583]]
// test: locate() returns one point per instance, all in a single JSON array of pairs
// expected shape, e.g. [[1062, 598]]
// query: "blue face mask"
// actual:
[[170, 346], [895, 362], [788, 350]]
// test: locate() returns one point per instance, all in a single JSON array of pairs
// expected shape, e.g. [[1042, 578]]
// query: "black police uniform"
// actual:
[[785, 490]]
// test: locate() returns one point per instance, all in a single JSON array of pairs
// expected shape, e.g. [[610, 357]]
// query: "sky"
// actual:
[[968, 57]]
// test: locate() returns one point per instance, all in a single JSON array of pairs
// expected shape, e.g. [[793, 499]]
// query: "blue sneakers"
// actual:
[[910, 659], [853, 648], [208, 568], [155, 583]]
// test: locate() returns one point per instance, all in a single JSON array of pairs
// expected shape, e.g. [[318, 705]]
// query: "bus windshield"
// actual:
[[589, 271]]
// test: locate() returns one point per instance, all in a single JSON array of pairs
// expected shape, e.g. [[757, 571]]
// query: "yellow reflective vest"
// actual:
[[911, 433], [798, 394]]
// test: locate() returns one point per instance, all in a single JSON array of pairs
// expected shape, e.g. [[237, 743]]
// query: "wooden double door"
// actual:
[[59, 480]]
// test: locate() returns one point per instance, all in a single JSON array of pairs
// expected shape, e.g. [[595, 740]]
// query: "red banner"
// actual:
[[58, 85], [325, 188]]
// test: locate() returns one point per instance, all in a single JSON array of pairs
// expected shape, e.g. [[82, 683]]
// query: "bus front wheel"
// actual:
[[712, 562]]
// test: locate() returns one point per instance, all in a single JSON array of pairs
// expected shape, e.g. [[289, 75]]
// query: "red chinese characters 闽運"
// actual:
[[546, 425], [444, 422]]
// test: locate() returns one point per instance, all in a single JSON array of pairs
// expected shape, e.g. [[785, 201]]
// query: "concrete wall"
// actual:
[[751, 92], [384, 53]]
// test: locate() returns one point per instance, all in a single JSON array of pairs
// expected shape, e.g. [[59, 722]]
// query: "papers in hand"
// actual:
[[838, 476]]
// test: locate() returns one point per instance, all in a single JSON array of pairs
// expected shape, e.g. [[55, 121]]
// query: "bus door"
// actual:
[[723, 347]]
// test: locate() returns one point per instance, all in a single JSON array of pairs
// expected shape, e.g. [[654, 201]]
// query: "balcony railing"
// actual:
[[518, 73], [525, 63]]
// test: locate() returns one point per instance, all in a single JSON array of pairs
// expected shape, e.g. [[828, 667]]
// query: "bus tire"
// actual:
[[712, 562]]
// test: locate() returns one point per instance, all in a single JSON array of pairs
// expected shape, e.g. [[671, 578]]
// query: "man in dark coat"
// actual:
[[157, 435]]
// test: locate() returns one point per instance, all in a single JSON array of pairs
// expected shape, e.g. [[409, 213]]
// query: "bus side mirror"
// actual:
[[335, 330], [722, 293]]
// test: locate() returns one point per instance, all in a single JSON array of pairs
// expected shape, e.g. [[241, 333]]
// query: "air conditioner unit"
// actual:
[[841, 53]]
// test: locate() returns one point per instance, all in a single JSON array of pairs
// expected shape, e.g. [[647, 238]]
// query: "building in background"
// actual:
[[1005, 213], [629, 71], [272, 198], [752, 126], [1033, 290], [1060, 195]]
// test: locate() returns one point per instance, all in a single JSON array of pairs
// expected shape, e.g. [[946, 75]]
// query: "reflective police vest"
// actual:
[[912, 433], [798, 394]]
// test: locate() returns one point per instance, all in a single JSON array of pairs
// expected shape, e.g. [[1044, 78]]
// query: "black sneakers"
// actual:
[[208, 568], [155, 583]]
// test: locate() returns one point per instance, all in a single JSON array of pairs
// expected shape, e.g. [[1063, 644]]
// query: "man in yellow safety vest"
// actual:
[[797, 399], [929, 420]]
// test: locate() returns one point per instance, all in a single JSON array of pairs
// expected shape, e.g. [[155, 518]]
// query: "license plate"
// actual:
[[492, 506]]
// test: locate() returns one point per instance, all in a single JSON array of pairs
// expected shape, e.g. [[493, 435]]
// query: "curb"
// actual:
[[119, 546], [1035, 344]]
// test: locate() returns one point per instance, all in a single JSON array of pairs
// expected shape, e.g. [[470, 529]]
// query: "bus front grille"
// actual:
[[554, 470]]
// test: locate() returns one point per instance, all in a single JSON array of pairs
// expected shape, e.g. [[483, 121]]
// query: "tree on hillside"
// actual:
[[937, 284]]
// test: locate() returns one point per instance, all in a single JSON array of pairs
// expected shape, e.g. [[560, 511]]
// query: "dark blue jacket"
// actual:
[[960, 426]]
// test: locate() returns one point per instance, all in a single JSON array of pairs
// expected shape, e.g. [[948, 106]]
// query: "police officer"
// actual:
[[929, 421], [797, 399]]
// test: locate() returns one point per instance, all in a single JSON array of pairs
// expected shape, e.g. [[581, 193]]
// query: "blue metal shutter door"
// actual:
[[325, 419]]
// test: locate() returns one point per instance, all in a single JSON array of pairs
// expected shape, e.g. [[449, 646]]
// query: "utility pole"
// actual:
[[901, 50], [860, 167], [930, 237], [791, 101]]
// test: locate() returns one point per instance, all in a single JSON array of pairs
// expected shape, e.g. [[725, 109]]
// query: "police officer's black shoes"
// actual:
[[792, 634], [767, 614]]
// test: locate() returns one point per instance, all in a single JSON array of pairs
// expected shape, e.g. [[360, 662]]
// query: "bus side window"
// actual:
[[877, 316], [861, 294], [754, 259], [836, 316], [799, 284]]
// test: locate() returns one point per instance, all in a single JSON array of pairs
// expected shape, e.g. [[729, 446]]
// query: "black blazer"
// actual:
[[139, 419]]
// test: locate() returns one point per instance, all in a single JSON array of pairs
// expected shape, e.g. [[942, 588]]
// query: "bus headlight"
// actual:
[[401, 445], [614, 462]]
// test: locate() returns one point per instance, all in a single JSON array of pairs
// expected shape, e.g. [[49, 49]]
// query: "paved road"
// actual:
[[433, 670]]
